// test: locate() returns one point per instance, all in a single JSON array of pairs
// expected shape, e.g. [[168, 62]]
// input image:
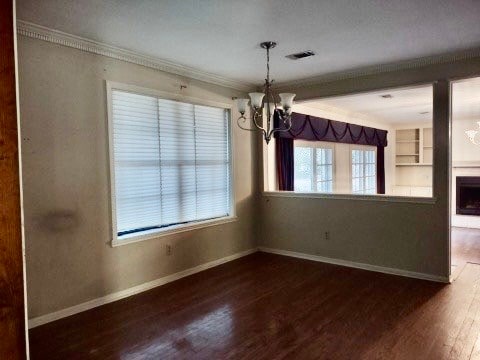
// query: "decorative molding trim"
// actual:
[[380, 198], [44, 319], [35, 31], [39, 32], [357, 265], [381, 69]]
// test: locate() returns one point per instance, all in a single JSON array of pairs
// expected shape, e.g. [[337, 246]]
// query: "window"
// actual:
[[313, 168], [364, 178], [171, 163]]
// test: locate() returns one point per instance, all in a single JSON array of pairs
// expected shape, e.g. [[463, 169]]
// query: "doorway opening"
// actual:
[[465, 174]]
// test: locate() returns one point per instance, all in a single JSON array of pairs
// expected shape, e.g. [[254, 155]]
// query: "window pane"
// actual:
[[371, 157], [329, 172], [303, 170], [364, 172], [370, 170], [329, 159]]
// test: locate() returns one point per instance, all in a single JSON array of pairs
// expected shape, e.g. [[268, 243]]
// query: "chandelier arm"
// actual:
[[248, 129], [255, 117], [275, 130]]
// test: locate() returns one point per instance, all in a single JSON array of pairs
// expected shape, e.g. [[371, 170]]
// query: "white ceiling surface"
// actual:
[[406, 105], [222, 36]]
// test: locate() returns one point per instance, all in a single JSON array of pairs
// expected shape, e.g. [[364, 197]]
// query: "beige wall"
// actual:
[[67, 216], [463, 150], [66, 190], [402, 235]]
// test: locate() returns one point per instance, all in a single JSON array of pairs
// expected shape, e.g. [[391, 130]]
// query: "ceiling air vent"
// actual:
[[301, 55]]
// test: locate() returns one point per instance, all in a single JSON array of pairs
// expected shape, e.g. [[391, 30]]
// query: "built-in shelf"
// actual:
[[414, 147], [413, 164]]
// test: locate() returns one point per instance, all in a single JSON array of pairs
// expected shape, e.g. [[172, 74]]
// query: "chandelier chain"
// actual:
[[268, 64]]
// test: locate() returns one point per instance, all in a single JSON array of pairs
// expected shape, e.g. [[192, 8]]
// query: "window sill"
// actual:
[[157, 233], [382, 198]]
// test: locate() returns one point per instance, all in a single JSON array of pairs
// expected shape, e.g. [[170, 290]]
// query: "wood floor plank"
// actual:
[[268, 306]]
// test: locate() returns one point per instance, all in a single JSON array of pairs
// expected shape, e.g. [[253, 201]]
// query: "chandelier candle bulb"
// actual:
[[256, 99], [242, 105], [286, 100]]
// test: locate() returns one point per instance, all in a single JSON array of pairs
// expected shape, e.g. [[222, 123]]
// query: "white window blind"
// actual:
[[171, 162]]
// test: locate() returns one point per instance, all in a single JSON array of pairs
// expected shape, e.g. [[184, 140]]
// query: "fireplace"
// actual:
[[468, 195]]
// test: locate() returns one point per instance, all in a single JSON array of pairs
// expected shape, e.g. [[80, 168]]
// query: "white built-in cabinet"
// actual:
[[413, 161], [414, 147]]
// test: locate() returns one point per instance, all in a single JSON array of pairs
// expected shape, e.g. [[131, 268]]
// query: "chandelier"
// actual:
[[472, 134], [264, 105]]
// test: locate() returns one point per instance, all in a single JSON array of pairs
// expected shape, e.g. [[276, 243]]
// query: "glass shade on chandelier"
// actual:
[[472, 135], [264, 106]]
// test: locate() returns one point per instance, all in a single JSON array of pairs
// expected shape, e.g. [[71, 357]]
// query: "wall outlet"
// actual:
[[327, 235], [168, 249]]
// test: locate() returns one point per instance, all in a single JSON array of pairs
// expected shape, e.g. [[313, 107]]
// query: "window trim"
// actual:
[[320, 145], [362, 148], [157, 233]]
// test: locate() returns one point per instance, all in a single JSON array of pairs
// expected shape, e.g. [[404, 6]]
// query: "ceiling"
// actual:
[[404, 106], [410, 105], [222, 36]]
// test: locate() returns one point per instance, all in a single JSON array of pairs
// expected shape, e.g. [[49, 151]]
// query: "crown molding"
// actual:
[[39, 32], [381, 68], [35, 31]]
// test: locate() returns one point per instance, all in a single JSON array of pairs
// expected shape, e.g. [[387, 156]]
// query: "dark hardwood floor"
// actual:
[[267, 306]]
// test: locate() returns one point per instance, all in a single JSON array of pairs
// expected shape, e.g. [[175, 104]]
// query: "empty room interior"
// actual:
[[240, 180]]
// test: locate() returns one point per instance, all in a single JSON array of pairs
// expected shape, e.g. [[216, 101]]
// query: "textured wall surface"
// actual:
[[66, 187]]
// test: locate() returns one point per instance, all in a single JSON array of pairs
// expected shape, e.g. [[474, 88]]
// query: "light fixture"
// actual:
[[472, 135], [265, 100]]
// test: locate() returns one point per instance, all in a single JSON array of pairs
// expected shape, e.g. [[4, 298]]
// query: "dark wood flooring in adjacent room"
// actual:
[[267, 306]]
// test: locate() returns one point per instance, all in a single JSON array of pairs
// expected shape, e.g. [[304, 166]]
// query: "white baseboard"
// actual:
[[44, 319], [132, 291], [357, 265]]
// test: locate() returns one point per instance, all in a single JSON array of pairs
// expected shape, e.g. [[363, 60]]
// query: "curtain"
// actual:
[[285, 170], [380, 170], [312, 128], [284, 156]]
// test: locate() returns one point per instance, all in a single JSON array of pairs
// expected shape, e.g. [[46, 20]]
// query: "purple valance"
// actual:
[[306, 127]]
